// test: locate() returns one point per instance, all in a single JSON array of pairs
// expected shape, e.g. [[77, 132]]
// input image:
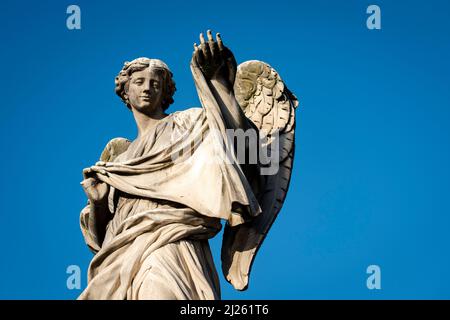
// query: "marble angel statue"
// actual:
[[154, 202]]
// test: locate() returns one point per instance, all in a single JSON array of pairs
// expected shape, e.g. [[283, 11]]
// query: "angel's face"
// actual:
[[145, 90]]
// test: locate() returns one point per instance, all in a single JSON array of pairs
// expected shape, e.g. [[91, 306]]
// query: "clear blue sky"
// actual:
[[371, 182]]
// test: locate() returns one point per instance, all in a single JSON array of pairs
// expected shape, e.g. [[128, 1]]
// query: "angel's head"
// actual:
[[145, 84]]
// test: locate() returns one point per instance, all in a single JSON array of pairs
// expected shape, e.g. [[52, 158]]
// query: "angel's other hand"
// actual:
[[96, 190]]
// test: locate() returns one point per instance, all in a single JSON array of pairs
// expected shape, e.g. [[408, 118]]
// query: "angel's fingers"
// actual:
[[204, 47], [224, 51], [202, 39], [219, 42], [198, 54], [209, 35], [212, 45]]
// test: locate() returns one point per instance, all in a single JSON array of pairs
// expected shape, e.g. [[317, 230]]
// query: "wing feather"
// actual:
[[271, 107]]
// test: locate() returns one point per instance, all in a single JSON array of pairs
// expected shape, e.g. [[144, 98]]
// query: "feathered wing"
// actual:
[[269, 104]]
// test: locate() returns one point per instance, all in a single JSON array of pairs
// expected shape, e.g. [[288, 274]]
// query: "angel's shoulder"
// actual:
[[190, 113], [188, 117], [114, 148]]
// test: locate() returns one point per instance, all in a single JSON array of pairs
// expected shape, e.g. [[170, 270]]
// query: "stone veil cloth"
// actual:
[[173, 187]]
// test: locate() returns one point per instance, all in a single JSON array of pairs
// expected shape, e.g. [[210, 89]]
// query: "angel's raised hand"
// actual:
[[211, 56]]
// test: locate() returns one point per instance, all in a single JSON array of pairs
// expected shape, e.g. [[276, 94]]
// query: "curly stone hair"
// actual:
[[139, 64]]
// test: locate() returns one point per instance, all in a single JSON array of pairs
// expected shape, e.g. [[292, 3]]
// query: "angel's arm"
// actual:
[[219, 67], [99, 215], [96, 215]]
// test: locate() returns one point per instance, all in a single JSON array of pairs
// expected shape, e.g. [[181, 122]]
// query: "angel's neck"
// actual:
[[146, 122]]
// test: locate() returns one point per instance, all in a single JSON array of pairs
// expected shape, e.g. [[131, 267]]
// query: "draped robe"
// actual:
[[168, 193]]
